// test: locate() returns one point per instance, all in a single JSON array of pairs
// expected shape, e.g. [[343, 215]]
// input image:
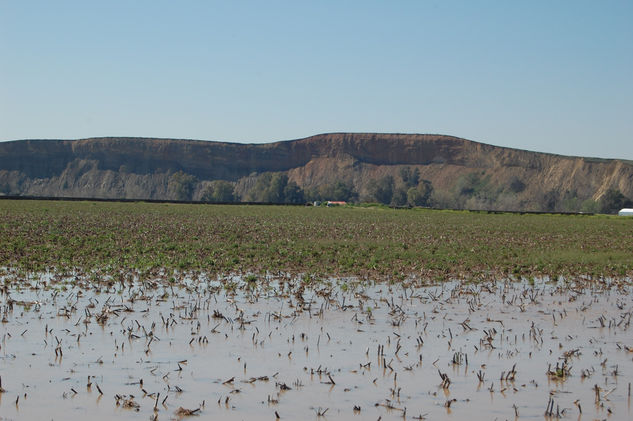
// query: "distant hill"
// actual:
[[400, 169]]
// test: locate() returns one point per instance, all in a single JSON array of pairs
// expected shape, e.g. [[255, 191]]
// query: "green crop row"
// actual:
[[365, 242]]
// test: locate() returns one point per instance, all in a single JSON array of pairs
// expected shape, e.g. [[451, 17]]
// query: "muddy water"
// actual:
[[339, 351]]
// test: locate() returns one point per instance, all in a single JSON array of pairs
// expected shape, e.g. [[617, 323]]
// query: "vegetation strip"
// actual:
[[365, 242]]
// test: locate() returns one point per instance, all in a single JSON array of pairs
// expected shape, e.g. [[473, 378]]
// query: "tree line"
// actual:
[[470, 191]]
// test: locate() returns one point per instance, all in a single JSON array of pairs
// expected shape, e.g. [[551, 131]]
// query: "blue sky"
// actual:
[[551, 76]]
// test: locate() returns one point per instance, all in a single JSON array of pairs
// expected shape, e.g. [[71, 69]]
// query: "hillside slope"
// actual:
[[456, 172]]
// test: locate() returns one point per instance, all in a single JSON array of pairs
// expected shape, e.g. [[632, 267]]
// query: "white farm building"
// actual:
[[625, 212]]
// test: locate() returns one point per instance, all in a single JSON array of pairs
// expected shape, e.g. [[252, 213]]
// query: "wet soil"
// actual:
[[340, 350]]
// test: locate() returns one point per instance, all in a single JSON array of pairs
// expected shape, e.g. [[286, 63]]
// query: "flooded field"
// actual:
[[246, 348]]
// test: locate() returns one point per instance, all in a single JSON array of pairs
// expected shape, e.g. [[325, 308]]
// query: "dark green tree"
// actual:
[[338, 191], [410, 177], [516, 185], [469, 184], [259, 192], [421, 194], [613, 200], [399, 197], [293, 193], [278, 183], [219, 191], [275, 188], [344, 191], [381, 190], [181, 185], [549, 201]]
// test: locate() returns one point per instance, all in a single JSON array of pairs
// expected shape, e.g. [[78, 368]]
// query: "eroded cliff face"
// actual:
[[136, 168]]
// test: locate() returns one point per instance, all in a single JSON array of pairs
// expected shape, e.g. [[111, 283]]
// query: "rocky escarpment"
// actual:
[[461, 173]]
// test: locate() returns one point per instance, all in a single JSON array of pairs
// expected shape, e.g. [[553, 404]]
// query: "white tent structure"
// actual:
[[625, 212]]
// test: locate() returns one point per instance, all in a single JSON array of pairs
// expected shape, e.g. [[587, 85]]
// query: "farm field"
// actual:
[[169, 311], [368, 243], [230, 349]]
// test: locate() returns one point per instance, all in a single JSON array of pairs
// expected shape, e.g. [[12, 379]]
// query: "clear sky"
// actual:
[[551, 76]]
